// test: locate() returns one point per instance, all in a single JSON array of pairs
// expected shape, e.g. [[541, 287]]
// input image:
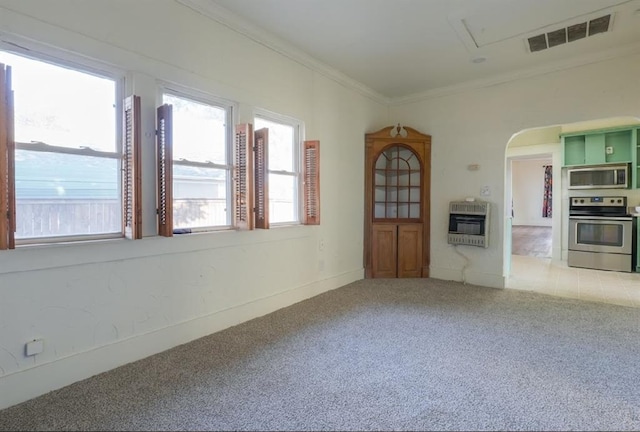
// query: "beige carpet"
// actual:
[[417, 354]]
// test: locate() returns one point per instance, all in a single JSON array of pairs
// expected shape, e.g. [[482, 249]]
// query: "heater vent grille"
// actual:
[[469, 207], [569, 34]]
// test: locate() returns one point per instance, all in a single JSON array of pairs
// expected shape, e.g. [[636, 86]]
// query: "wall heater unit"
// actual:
[[469, 223]]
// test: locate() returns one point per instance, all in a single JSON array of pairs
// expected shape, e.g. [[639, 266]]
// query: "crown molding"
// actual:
[[629, 49], [236, 23]]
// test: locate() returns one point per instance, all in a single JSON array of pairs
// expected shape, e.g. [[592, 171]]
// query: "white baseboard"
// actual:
[[470, 276], [534, 223], [29, 383]]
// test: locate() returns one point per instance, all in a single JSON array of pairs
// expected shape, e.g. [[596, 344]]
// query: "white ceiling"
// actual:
[[404, 48]]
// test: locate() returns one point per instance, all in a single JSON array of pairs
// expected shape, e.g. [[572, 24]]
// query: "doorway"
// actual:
[[527, 154], [552, 275], [532, 205]]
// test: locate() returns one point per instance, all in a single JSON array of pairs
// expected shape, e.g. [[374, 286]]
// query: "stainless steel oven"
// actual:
[[601, 233]]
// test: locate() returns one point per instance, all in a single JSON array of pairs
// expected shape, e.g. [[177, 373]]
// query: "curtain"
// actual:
[[546, 197]]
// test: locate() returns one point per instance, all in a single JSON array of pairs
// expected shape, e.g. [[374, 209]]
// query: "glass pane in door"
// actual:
[[397, 168]]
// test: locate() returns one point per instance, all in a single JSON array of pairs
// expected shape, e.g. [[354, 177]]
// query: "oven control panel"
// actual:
[[598, 201]]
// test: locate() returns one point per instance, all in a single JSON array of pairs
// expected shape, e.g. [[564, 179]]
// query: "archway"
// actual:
[[545, 141]]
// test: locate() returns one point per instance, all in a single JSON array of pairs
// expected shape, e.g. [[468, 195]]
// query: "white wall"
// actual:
[[528, 188], [474, 126], [99, 305]]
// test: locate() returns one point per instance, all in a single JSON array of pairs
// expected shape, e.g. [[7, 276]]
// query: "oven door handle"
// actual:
[[602, 218]]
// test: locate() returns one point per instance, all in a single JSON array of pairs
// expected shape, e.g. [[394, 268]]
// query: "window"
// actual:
[[278, 176], [203, 162], [283, 169], [63, 180], [201, 165]]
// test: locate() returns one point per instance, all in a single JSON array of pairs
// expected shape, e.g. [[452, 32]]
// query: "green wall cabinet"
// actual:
[[604, 146]]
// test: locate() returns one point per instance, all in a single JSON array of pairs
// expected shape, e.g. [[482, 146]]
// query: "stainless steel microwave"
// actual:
[[599, 177]]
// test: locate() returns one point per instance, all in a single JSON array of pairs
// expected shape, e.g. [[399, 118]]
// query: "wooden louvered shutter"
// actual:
[[164, 155], [243, 177], [131, 169], [311, 179], [7, 162], [261, 173]]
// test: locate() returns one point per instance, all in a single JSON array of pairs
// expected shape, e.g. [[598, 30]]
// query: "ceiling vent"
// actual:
[[569, 34]]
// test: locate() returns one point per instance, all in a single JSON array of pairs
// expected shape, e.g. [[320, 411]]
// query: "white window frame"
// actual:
[[231, 109], [298, 138], [45, 54]]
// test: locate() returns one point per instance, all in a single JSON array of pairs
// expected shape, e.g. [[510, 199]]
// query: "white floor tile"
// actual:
[[556, 278]]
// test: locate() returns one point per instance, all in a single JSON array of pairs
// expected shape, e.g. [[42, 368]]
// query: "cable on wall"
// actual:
[[466, 263]]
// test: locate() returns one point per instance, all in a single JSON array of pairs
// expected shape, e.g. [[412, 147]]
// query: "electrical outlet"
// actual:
[[34, 347], [608, 150]]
